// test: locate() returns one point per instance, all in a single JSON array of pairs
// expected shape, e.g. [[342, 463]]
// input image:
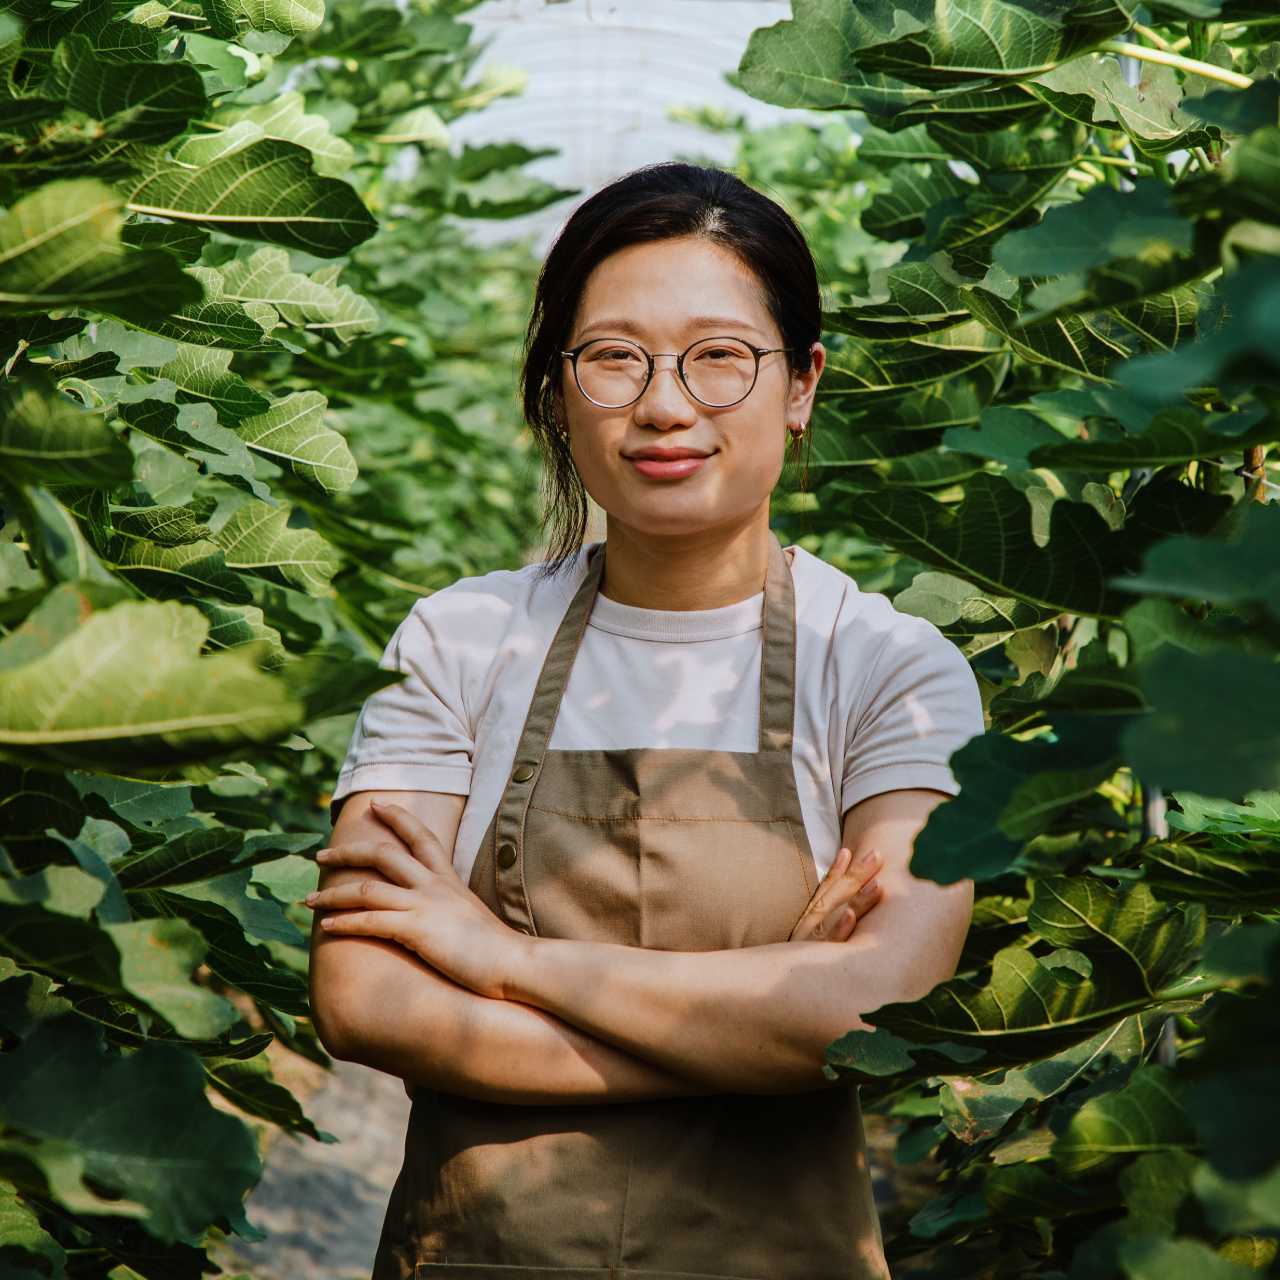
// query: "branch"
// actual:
[[1192, 66]]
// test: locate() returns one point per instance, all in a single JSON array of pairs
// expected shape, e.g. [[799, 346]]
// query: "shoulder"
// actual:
[[877, 648], [481, 610]]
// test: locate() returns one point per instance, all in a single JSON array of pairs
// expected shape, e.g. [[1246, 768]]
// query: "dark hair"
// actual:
[[656, 202]]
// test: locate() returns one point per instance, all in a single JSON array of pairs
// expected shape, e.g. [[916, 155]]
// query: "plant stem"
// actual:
[[1190, 65], [1152, 37]]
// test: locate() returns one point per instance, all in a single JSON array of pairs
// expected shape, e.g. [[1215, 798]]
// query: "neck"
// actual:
[[707, 570]]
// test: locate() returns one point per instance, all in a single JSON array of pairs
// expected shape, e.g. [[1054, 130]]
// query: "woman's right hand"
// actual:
[[847, 892]]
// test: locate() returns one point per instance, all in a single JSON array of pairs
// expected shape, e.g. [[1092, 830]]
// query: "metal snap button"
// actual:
[[523, 772], [506, 856]]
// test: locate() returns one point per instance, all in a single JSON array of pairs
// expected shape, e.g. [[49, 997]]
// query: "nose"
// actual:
[[665, 403]]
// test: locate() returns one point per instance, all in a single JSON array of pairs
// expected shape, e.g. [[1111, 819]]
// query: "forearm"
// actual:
[[431, 1032], [751, 1020]]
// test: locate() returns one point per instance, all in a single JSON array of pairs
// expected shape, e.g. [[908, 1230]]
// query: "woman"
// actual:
[[633, 792]]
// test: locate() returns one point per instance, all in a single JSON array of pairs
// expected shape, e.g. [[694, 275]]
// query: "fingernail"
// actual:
[[867, 857], [323, 855], [311, 897]]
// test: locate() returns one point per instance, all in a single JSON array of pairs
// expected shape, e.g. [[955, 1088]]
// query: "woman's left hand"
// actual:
[[425, 907]]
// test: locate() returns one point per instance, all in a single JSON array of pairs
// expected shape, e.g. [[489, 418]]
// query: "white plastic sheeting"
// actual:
[[602, 77]]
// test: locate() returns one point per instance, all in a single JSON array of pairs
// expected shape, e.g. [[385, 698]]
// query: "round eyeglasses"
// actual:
[[717, 372]]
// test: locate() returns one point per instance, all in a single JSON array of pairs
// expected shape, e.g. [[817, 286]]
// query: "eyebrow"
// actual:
[[622, 325]]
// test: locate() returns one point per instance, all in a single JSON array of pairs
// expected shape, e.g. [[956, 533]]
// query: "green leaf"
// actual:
[[1010, 791], [1146, 1258], [136, 101], [228, 18], [952, 604], [60, 246], [987, 540], [257, 538], [293, 432], [1103, 225], [46, 437], [130, 688], [1095, 92], [253, 188], [809, 60], [187, 1162], [1242, 567], [285, 117], [978, 1109], [250, 1087], [1212, 727], [1147, 1115], [305, 302]]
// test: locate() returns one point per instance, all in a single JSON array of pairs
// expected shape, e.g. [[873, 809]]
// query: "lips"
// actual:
[[667, 464]]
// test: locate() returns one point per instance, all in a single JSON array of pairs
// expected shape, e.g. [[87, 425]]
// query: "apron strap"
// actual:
[[778, 653]]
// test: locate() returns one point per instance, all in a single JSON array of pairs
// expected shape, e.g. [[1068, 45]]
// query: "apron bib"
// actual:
[[676, 849]]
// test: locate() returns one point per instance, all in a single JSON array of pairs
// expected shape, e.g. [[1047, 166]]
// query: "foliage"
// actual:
[[257, 399], [1048, 410]]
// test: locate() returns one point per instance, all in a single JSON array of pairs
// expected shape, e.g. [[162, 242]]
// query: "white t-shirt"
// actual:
[[883, 698]]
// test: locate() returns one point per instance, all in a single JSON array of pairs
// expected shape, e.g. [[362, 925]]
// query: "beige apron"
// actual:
[[676, 849]]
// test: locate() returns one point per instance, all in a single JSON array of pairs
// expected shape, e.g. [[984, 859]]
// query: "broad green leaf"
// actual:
[[303, 302], [285, 117], [1006, 435], [1241, 351], [1145, 1116], [1212, 727], [142, 101], [1232, 570], [45, 922], [906, 300], [951, 603], [60, 246], [168, 526], [227, 18], [1239, 110], [986, 539], [868, 372], [250, 1087], [901, 212], [1174, 436], [204, 852], [1011, 791], [217, 321], [130, 686], [58, 543], [1146, 1258], [809, 60], [189, 569], [977, 1109], [187, 1162], [1160, 939], [254, 189], [1231, 880], [293, 432], [46, 437], [1102, 226], [202, 373], [958, 42], [1094, 91], [258, 539]]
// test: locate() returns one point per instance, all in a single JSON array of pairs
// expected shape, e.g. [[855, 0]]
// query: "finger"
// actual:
[[840, 865], [364, 894], [843, 929], [840, 922], [371, 924], [865, 865], [398, 865], [422, 841]]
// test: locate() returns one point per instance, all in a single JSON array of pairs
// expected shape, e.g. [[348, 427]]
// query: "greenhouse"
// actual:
[[640, 640]]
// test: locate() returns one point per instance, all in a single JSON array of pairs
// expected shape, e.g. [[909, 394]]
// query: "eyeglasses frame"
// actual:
[[758, 352]]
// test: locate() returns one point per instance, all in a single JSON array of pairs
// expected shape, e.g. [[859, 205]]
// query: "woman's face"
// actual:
[[665, 295]]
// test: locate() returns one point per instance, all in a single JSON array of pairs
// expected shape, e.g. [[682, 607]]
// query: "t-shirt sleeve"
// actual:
[[415, 735], [920, 705]]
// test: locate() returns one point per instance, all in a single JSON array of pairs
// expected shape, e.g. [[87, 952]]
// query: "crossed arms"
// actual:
[[598, 1022]]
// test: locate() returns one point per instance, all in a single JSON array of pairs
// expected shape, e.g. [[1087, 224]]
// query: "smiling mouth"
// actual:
[[667, 464]]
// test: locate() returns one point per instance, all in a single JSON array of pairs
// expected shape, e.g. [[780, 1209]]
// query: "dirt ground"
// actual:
[[322, 1203]]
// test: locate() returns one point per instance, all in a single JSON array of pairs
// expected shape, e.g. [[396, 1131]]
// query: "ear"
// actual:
[[804, 386]]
